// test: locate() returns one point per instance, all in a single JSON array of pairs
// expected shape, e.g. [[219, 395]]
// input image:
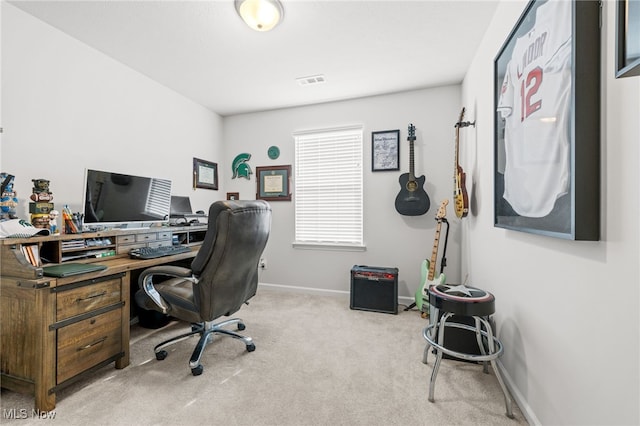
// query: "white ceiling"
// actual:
[[203, 50]]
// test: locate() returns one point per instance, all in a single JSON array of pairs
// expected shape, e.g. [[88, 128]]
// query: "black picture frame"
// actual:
[[385, 150], [627, 38], [547, 172], [205, 174], [273, 183]]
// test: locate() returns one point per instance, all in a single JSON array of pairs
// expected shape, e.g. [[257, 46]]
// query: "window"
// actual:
[[328, 188]]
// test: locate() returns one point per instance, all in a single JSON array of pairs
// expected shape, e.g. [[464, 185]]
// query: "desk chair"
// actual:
[[222, 277]]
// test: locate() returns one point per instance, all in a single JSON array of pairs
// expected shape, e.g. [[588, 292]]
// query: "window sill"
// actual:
[[328, 246]]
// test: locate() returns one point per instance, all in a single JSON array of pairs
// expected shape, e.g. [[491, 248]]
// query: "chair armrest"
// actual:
[[145, 281]]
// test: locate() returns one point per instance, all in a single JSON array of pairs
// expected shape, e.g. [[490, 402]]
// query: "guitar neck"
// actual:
[[412, 176], [456, 162], [434, 252], [457, 155]]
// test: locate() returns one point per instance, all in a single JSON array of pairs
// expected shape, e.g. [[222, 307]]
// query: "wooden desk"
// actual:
[[56, 330]]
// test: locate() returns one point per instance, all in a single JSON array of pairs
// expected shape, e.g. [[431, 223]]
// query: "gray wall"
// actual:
[[391, 239], [67, 107], [567, 312]]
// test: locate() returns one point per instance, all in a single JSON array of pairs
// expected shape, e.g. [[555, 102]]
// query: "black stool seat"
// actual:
[[472, 302], [462, 300]]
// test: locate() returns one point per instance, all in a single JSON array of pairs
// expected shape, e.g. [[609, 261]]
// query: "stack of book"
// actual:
[[32, 253], [72, 244]]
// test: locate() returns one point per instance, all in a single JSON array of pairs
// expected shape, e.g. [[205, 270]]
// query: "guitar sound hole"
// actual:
[[411, 186]]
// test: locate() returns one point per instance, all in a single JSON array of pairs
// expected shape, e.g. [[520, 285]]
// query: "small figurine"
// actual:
[[42, 206], [53, 221], [8, 197], [41, 190]]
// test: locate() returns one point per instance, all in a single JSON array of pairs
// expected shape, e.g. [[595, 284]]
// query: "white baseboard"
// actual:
[[310, 290], [517, 396]]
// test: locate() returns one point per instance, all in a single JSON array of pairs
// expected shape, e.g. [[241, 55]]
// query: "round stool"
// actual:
[[466, 301]]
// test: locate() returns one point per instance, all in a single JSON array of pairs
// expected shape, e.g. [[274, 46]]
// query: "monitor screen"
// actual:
[[118, 199], [180, 206]]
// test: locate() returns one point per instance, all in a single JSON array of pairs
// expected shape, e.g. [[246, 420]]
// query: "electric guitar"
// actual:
[[428, 267], [460, 197], [412, 200]]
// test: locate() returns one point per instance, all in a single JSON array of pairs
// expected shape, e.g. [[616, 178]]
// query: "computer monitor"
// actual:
[[125, 200], [180, 206]]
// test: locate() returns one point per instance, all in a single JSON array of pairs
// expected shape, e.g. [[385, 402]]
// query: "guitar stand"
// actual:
[[443, 261]]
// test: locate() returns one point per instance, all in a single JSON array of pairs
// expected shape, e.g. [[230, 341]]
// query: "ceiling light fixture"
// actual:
[[260, 15]]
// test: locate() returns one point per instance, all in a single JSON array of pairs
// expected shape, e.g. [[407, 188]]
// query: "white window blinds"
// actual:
[[328, 187]]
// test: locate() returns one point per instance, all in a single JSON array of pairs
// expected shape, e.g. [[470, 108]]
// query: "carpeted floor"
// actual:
[[317, 362]]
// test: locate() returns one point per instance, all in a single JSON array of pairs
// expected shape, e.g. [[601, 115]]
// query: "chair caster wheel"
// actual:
[[251, 347], [241, 326], [161, 355], [197, 370]]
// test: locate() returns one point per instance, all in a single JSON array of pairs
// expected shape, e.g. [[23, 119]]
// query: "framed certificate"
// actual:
[[205, 174], [273, 183]]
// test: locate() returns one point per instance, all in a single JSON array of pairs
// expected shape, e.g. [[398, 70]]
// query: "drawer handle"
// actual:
[[90, 345], [93, 296]]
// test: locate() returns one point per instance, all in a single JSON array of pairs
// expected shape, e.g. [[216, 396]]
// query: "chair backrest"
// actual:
[[227, 263]]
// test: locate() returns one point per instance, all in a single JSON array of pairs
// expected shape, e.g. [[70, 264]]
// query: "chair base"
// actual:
[[206, 331]]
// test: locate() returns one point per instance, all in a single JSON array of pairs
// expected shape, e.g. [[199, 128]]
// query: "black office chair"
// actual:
[[223, 276]]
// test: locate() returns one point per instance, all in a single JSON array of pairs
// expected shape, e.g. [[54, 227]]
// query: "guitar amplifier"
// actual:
[[374, 289]]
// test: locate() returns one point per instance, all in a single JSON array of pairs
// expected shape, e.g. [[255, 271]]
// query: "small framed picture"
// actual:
[[385, 150], [233, 196], [205, 174], [274, 183]]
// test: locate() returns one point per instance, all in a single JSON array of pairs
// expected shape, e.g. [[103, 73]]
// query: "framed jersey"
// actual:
[[547, 122], [627, 38]]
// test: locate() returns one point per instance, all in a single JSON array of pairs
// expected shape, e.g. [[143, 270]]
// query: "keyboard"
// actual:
[[153, 252]]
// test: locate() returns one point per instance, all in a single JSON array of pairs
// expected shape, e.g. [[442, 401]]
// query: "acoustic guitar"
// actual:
[[412, 200], [460, 197], [428, 267]]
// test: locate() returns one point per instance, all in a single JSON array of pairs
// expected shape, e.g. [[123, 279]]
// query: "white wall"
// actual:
[[392, 240], [67, 107], [567, 312]]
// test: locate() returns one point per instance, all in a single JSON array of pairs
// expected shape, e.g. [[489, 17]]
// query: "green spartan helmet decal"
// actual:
[[240, 166]]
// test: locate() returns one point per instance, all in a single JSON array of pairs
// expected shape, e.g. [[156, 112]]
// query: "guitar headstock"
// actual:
[[459, 123], [442, 211], [412, 133]]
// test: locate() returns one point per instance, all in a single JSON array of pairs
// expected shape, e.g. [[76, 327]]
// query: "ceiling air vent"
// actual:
[[314, 79]]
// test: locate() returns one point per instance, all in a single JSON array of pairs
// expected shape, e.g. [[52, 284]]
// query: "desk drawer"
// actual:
[[124, 239], [85, 298], [146, 237], [86, 343], [165, 235]]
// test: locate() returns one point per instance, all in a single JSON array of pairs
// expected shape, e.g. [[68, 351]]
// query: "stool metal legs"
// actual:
[[490, 340], [494, 346]]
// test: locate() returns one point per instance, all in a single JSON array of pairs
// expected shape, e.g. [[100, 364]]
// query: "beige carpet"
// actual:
[[317, 362]]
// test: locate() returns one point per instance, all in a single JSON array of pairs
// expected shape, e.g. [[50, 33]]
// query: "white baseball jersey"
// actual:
[[534, 101]]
